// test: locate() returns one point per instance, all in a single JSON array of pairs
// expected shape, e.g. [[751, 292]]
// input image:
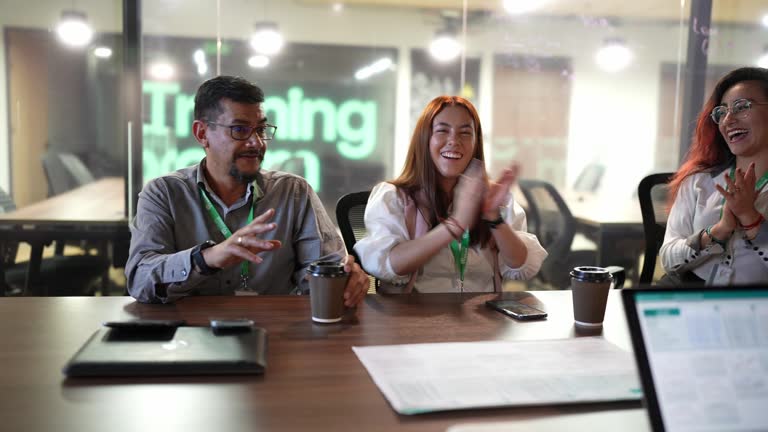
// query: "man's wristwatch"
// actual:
[[492, 224], [199, 261]]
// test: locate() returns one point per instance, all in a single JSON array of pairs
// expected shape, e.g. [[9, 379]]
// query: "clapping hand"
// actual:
[[468, 194], [498, 192], [740, 195]]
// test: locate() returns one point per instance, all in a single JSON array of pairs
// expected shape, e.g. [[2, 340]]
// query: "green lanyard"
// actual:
[[460, 256], [225, 229], [758, 186]]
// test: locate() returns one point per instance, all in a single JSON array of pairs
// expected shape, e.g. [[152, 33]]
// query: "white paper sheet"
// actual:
[[421, 378]]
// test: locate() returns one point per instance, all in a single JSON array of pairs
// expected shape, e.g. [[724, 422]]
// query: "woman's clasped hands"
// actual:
[[477, 197], [739, 195]]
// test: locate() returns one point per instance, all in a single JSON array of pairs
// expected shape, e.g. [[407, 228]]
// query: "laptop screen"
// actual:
[[707, 355]]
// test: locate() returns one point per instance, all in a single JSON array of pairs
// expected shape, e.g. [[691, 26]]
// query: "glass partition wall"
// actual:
[[587, 96], [61, 118]]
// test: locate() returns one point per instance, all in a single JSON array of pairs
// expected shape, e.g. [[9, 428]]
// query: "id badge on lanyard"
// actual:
[[226, 232]]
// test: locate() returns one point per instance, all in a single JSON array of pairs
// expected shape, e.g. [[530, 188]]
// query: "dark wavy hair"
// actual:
[[419, 176], [709, 152]]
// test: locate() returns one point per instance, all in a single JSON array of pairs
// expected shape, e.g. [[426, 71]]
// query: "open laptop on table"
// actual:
[[702, 355]]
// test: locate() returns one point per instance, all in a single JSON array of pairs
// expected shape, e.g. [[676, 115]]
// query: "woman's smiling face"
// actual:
[[452, 144], [746, 133]]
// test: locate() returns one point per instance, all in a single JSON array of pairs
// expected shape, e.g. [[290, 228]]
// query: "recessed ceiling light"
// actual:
[[258, 61], [377, 67], [102, 52], [162, 71]]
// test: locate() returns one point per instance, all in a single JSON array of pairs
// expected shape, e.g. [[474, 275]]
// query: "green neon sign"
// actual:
[[349, 126]]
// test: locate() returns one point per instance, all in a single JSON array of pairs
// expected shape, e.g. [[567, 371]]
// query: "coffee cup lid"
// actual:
[[326, 268], [591, 274]]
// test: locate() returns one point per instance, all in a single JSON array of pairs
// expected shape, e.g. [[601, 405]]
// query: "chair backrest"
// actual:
[[65, 171], [350, 215], [350, 212], [553, 223], [589, 178], [7, 249], [652, 193], [6, 202]]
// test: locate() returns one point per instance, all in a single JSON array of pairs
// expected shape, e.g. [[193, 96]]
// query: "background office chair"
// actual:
[[64, 171], [350, 212], [652, 193], [62, 275], [553, 223], [589, 178]]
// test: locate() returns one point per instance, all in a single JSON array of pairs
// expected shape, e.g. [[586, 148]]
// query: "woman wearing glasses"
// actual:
[[716, 231], [442, 225]]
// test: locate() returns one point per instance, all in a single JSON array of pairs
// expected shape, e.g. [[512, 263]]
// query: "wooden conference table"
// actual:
[[94, 211], [313, 381]]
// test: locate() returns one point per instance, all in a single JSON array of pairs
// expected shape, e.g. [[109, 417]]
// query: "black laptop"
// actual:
[[702, 354], [142, 350]]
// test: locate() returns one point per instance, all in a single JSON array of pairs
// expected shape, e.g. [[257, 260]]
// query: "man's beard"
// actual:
[[241, 176]]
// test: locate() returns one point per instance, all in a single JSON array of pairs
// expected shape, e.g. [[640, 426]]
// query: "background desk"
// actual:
[[313, 382], [615, 227], [95, 211]]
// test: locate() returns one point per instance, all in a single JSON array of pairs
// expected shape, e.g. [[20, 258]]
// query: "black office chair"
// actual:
[[61, 274], [64, 171], [652, 193], [553, 223], [350, 212]]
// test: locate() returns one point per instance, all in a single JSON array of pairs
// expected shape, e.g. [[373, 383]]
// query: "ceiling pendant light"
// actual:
[[444, 47], [519, 7], [73, 29], [266, 39], [614, 55], [763, 60]]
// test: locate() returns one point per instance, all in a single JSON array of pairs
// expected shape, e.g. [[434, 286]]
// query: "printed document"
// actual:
[[422, 378]]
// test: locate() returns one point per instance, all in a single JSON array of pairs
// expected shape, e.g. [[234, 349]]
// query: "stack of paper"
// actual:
[[447, 376]]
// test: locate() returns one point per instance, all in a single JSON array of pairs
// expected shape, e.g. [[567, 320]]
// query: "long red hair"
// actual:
[[419, 178], [709, 152]]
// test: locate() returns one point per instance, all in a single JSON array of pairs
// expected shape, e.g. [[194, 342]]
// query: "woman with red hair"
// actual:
[[715, 231], [442, 225]]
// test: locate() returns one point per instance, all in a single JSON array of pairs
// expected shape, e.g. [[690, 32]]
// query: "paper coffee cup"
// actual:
[[590, 286], [327, 281]]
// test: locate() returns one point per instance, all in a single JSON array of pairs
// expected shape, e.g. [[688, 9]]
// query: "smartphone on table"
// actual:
[[516, 310]]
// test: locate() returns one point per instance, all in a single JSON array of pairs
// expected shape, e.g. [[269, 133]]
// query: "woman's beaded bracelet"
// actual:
[[754, 224]]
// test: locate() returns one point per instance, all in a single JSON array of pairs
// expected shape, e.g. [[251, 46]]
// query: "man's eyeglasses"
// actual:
[[738, 108], [265, 132]]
